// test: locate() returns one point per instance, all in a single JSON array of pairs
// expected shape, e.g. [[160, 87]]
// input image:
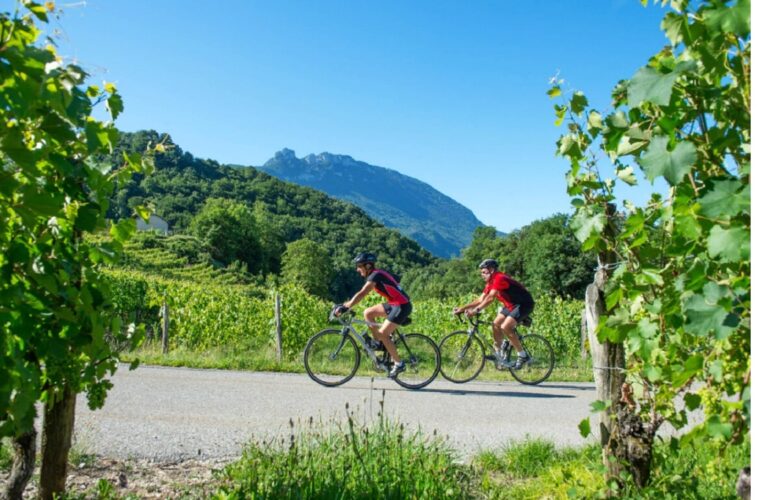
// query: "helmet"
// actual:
[[488, 263], [365, 258]]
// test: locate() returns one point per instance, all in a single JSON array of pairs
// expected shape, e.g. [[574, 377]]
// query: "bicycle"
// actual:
[[332, 356], [463, 355]]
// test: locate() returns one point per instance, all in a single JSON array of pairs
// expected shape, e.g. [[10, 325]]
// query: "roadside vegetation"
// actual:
[[384, 461]]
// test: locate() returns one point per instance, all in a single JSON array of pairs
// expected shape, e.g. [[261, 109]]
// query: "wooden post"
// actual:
[[584, 335], [164, 314], [278, 328]]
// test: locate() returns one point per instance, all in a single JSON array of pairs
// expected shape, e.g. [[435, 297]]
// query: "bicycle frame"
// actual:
[[464, 344], [475, 322], [348, 330], [420, 354]]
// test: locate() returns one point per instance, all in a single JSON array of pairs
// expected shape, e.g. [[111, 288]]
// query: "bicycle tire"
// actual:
[[328, 357], [422, 360], [463, 357], [542, 362]]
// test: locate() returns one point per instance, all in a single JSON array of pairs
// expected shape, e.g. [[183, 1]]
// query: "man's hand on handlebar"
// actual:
[[458, 311], [339, 309]]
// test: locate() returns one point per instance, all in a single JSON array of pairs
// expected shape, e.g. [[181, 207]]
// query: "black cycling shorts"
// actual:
[[520, 311], [397, 314]]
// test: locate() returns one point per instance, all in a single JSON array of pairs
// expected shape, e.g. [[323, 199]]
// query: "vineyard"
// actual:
[[211, 308]]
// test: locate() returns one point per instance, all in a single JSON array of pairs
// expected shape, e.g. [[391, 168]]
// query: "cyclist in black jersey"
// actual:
[[396, 309]]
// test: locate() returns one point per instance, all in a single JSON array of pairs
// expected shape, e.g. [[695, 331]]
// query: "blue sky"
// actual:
[[450, 92]]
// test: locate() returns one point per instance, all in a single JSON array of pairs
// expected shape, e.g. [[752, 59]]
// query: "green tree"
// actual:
[[675, 311], [485, 245], [308, 264], [549, 258], [233, 232], [56, 320]]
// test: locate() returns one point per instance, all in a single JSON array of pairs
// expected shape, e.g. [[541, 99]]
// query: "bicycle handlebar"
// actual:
[[333, 317], [473, 320]]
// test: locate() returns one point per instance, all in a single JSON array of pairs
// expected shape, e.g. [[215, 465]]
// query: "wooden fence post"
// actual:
[[278, 328], [584, 334], [164, 313]]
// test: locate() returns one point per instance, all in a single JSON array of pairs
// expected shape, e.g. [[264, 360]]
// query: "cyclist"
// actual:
[[517, 305], [396, 309]]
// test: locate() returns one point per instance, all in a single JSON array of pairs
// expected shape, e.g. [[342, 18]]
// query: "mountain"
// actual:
[[440, 224], [182, 184]]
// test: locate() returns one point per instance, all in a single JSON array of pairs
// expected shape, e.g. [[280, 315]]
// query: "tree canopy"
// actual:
[[544, 255]]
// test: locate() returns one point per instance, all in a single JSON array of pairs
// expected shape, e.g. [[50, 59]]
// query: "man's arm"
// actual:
[[465, 307], [483, 303], [370, 285]]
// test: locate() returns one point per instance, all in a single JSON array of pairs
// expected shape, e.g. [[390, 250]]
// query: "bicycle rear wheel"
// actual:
[[421, 357], [542, 360], [331, 358], [463, 357]]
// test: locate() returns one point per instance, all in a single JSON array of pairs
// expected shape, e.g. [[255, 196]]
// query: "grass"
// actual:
[[348, 460]]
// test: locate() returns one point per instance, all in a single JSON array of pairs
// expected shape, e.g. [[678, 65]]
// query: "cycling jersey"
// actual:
[[509, 292], [388, 287]]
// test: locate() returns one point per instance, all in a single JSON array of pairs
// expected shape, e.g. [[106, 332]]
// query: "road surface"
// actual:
[[169, 414]]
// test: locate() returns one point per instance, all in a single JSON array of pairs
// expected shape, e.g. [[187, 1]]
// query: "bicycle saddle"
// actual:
[[407, 322]]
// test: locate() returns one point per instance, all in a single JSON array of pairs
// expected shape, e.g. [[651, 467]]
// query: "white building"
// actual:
[[155, 223]]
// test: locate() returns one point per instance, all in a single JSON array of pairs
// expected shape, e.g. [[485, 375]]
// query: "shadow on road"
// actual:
[[470, 392], [565, 385]]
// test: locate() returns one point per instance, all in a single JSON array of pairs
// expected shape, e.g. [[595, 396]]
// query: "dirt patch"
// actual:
[[110, 478]]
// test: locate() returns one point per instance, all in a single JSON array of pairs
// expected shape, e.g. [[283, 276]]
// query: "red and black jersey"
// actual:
[[388, 287], [510, 292]]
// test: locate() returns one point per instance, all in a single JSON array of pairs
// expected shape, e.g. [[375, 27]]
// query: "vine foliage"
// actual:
[[679, 298], [56, 318]]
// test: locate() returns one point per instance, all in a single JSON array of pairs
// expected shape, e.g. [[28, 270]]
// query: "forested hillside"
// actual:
[[544, 255], [246, 217], [440, 224]]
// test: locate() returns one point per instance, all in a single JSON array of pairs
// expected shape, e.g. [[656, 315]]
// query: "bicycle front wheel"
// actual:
[[463, 357], [331, 358], [422, 360], [542, 360]]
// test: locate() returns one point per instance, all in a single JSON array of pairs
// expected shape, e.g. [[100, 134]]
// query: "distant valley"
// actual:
[[440, 224]]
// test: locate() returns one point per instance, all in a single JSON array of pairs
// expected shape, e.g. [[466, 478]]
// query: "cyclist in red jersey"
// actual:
[[396, 309], [517, 305]]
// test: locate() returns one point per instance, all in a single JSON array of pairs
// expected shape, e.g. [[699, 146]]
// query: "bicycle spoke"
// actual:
[[462, 357], [422, 360], [542, 360], [331, 358]]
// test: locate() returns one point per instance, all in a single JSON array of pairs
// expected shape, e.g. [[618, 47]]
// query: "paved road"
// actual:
[[176, 413]]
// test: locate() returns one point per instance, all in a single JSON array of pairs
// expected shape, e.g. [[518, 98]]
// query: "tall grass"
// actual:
[[351, 460], [385, 461], [537, 469]]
